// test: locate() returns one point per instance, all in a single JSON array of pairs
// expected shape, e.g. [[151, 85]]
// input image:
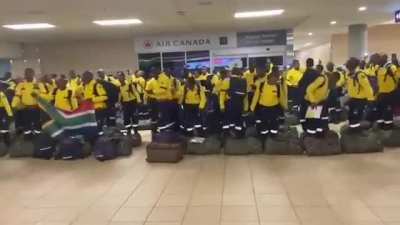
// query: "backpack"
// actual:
[[111, 90], [237, 89]]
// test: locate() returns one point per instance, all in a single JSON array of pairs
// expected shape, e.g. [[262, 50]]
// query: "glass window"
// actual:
[[175, 61], [198, 59], [149, 61], [262, 61]]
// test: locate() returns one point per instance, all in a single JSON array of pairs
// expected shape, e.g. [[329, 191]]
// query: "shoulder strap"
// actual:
[[95, 89], [70, 99]]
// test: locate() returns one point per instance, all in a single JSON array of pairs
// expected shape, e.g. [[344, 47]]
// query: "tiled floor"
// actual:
[[203, 190]]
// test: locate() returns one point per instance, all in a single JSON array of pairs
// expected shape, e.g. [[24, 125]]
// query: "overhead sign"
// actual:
[[397, 16], [227, 40], [261, 38], [185, 42]]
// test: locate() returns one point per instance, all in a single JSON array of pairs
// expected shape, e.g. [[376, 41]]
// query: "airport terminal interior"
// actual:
[[200, 112]]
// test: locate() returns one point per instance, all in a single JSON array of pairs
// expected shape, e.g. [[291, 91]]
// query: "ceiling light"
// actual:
[[310, 33], [117, 22], [362, 8], [259, 13], [32, 26], [307, 44], [333, 22]]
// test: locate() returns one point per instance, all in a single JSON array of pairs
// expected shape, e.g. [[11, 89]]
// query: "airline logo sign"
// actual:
[[148, 44], [185, 43]]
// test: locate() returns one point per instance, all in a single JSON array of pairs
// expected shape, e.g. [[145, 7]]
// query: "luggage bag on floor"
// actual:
[[127, 144], [44, 147], [286, 143], [389, 138], [329, 145], [3, 149], [205, 146], [70, 148], [243, 146], [165, 152], [21, 147], [362, 142], [106, 148]]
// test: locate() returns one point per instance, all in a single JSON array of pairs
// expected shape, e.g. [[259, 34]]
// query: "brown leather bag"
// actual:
[[165, 152]]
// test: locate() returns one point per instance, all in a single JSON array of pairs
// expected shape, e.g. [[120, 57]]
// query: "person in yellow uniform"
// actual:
[[387, 87], [333, 102], [64, 98], [232, 102], [74, 82], [267, 103], [292, 78], [316, 94], [167, 101], [129, 99], [140, 82], [151, 91], [6, 114], [370, 70], [360, 94], [24, 101], [193, 100], [95, 92]]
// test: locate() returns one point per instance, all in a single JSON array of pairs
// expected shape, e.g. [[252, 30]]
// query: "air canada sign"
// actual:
[[177, 43]]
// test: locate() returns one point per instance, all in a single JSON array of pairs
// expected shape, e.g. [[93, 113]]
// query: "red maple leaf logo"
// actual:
[[148, 44]]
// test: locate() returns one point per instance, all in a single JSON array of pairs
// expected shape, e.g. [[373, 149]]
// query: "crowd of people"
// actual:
[[226, 101]]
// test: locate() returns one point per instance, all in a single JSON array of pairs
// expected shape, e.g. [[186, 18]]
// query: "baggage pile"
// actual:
[[110, 145]]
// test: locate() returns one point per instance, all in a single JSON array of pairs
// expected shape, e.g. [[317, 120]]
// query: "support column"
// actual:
[[358, 42]]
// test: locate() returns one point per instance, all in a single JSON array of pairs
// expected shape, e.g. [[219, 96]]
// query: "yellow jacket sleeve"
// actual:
[[74, 102], [137, 95], [182, 96], [256, 97], [203, 98], [44, 93], [6, 104], [101, 94], [283, 96], [313, 87], [223, 93], [366, 87]]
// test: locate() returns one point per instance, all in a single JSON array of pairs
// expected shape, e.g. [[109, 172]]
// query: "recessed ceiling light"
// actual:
[[362, 8], [264, 13], [307, 44], [117, 22], [31, 26], [333, 22], [310, 33]]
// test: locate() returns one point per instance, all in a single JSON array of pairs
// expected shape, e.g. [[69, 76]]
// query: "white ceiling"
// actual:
[[73, 17]]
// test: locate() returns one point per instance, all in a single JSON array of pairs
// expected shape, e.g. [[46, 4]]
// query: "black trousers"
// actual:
[[168, 114], [385, 104], [30, 120], [268, 119], [356, 112], [233, 115], [101, 117], [191, 119], [314, 126], [4, 126], [111, 117], [293, 97], [129, 110]]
